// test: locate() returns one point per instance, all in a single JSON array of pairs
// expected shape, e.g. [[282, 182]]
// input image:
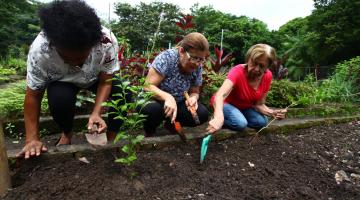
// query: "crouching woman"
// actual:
[[240, 101]]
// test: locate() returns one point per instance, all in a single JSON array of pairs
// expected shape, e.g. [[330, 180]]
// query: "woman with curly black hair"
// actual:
[[73, 51]]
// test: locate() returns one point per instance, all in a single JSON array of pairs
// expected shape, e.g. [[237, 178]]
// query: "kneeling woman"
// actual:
[[173, 72], [240, 101]]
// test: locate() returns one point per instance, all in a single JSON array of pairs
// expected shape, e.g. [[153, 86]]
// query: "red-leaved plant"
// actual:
[[218, 61], [184, 23]]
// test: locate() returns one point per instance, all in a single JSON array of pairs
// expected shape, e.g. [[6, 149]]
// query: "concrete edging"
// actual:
[[196, 135]]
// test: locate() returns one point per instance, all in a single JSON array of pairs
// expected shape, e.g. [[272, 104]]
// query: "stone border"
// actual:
[[195, 135]]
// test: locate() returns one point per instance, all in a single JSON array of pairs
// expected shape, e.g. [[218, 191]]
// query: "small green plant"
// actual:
[[84, 98], [9, 127], [11, 133], [44, 132], [129, 113]]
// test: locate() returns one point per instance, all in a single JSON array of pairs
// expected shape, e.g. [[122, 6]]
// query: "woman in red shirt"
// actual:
[[240, 101]]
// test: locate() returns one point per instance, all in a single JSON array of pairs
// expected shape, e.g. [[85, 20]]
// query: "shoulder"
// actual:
[[237, 70], [40, 50], [108, 36], [170, 53], [268, 75], [165, 62], [40, 45], [168, 56]]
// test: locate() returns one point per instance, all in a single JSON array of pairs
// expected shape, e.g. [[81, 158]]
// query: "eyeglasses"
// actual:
[[195, 60]]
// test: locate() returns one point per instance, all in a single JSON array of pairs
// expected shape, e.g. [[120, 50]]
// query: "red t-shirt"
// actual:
[[244, 96]]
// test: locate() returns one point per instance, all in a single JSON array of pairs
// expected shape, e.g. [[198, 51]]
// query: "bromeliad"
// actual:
[[219, 61]]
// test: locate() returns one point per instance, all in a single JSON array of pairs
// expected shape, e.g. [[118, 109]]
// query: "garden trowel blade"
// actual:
[[204, 147], [96, 139]]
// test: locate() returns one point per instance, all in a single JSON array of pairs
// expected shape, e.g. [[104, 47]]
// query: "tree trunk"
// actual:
[[4, 167]]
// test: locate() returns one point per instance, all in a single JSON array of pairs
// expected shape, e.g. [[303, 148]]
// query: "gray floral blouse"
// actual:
[[175, 82]]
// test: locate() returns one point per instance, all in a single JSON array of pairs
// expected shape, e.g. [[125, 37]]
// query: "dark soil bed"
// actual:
[[301, 165]]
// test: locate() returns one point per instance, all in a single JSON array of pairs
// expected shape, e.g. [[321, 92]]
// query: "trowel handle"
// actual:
[[94, 129]]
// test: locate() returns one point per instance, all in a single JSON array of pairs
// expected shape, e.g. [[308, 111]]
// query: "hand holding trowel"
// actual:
[[96, 138], [192, 109], [211, 129]]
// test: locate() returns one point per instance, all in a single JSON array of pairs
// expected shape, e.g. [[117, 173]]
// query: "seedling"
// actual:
[[255, 138]]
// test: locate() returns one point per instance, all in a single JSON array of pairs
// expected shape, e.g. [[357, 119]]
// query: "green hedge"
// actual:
[[12, 101]]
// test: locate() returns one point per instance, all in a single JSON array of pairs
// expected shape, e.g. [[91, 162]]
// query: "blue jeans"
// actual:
[[238, 120]]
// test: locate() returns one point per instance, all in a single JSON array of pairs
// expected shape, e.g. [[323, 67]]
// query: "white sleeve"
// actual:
[[36, 75], [109, 63]]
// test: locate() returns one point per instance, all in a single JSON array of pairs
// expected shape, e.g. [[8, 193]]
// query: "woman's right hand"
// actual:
[[32, 148], [170, 108], [215, 124], [279, 114]]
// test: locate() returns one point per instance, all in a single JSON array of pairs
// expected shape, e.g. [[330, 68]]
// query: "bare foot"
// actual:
[[64, 140]]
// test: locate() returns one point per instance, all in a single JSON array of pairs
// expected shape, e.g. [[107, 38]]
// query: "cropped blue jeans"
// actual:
[[238, 120]]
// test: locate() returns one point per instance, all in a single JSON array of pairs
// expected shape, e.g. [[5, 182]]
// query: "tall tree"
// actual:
[[140, 23], [19, 24], [337, 24], [240, 32]]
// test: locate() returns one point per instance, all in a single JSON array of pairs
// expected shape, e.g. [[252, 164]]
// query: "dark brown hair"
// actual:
[[196, 41]]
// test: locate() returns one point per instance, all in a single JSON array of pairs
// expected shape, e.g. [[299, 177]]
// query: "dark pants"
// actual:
[[62, 99], [155, 115]]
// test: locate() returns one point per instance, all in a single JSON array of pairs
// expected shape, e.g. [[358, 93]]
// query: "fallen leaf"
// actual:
[[84, 160], [251, 164], [341, 176], [357, 176]]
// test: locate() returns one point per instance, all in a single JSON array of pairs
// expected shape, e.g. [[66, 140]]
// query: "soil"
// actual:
[[301, 165]]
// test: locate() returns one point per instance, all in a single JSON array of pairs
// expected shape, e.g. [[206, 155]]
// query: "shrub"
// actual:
[[17, 64], [212, 81], [12, 101], [344, 84], [284, 92]]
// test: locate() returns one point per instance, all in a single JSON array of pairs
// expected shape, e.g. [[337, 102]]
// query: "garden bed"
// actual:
[[301, 165]]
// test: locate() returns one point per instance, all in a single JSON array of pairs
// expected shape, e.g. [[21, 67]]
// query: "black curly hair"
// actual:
[[70, 24]]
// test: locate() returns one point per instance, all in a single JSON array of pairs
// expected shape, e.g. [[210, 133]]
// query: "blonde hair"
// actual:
[[258, 50], [196, 41]]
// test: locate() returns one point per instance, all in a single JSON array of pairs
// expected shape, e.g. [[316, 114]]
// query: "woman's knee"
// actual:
[[236, 125], [62, 95], [152, 109], [234, 119], [261, 121]]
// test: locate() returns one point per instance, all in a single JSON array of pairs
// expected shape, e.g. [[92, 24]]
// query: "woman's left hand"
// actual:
[[192, 102], [279, 114], [96, 119]]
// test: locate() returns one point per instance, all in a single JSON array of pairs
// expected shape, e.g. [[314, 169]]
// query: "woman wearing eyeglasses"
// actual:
[[173, 72], [240, 101]]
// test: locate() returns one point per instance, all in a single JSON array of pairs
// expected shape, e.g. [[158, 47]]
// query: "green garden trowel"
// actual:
[[204, 147]]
